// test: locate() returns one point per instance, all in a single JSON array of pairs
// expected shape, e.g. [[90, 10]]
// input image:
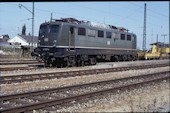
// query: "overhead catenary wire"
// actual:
[[124, 17], [97, 10], [149, 10]]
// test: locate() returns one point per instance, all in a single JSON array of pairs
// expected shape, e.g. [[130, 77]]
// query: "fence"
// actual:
[[15, 51]]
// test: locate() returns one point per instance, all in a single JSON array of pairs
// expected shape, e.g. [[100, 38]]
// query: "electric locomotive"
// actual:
[[70, 42]]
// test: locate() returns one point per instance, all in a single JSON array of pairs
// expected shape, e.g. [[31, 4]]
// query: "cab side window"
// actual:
[[71, 30]]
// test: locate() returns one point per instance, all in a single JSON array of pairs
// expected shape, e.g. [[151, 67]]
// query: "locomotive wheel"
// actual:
[[93, 61], [86, 63], [48, 63], [113, 59], [124, 58], [60, 63], [71, 61], [116, 58], [131, 58], [79, 63]]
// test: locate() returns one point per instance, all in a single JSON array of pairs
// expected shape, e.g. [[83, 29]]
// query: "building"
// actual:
[[4, 41], [24, 40], [4, 38]]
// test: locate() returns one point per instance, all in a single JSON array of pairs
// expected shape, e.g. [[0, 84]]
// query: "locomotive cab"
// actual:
[[55, 41], [49, 34]]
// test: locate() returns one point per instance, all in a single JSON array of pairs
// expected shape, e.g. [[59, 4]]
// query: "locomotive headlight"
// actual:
[[54, 41]]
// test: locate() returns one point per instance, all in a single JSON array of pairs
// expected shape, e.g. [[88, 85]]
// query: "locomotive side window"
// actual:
[[129, 37], [115, 36], [100, 34], [91, 33], [71, 30], [54, 28], [82, 31], [108, 34], [122, 36]]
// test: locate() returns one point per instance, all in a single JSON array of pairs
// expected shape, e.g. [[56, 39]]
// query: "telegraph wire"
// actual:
[[149, 10], [101, 11]]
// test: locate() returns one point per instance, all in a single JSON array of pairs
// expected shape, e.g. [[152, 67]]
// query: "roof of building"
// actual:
[[160, 44], [4, 38], [29, 38]]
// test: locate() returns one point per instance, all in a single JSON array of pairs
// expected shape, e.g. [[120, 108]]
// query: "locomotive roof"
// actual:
[[78, 23]]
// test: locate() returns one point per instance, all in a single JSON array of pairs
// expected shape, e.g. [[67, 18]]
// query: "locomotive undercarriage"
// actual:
[[70, 61], [84, 60], [61, 57]]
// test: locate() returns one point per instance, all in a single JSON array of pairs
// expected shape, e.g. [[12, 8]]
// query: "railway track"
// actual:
[[16, 60], [14, 64], [42, 76], [44, 99], [21, 67], [28, 67], [20, 62]]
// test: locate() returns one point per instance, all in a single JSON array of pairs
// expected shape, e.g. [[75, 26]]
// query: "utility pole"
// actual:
[[144, 29], [164, 35], [32, 26], [32, 12], [157, 38], [51, 17]]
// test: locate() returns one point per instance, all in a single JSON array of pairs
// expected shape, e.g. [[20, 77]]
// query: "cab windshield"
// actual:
[[54, 28], [44, 29]]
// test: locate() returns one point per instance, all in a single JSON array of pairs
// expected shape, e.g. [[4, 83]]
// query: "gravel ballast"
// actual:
[[53, 83], [151, 98], [98, 66]]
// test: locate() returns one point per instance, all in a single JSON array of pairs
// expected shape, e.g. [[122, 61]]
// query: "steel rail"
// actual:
[[25, 62], [49, 103], [34, 93], [42, 76]]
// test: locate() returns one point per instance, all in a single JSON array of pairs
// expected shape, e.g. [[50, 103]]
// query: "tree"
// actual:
[[23, 30], [29, 34]]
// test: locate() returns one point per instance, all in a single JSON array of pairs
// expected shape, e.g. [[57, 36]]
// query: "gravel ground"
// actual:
[[44, 84], [98, 66], [151, 98], [146, 96], [127, 63]]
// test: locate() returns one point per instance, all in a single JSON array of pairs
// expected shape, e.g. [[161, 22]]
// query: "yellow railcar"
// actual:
[[158, 51], [141, 55]]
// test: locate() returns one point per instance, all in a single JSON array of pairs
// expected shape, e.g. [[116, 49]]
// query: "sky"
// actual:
[[121, 14]]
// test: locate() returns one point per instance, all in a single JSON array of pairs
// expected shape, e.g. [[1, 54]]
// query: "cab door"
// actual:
[[72, 38], [134, 41]]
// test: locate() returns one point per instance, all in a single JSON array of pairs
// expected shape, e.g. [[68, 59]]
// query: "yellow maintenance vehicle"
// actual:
[[141, 55], [158, 50]]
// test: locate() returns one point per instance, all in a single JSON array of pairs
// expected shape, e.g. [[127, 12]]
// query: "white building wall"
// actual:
[[19, 40]]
